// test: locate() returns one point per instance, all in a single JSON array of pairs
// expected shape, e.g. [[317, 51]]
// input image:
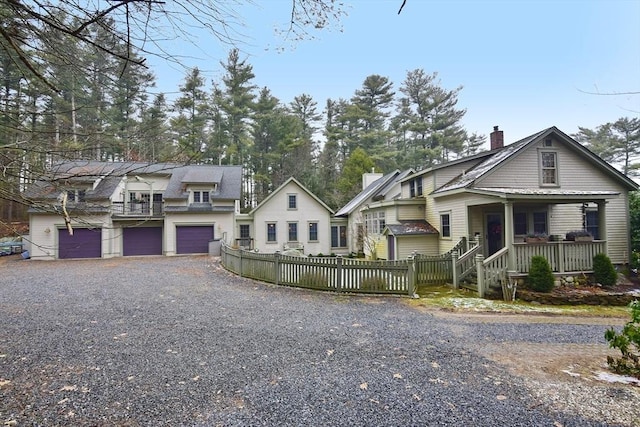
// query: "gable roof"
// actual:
[[106, 176], [283, 185], [468, 178], [377, 190]]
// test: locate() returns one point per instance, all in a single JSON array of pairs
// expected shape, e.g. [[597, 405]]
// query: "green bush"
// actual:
[[313, 280], [373, 284], [603, 271], [628, 342], [540, 275]]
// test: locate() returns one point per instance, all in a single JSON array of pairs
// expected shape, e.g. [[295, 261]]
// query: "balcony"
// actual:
[[137, 209]]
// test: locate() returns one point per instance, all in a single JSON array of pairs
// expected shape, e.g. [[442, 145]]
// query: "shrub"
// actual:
[[313, 280], [603, 270], [628, 342], [540, 275], [373, 284]]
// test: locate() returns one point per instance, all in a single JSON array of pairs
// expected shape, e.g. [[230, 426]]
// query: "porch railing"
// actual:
[[562, 256], [137, 209], [465, 264]]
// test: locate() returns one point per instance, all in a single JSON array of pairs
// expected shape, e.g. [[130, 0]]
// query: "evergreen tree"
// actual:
[[350, 182], [434, 122], [370, 111], [617, 143], [236, 105], [190, 124]]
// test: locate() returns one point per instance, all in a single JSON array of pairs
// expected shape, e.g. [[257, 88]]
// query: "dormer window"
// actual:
[[548, 168], [415, 187], [201, 197], [75, 196]]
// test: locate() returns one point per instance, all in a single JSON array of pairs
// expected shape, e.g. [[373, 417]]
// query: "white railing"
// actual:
[[563, 256]]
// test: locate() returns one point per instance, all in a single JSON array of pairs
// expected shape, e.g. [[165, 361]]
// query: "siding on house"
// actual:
[[408, 212], [275, 210], [574, 173], [424, 245], [45, 244]]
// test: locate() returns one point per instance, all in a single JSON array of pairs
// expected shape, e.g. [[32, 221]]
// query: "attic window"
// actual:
[[548, 168], [548, 142]]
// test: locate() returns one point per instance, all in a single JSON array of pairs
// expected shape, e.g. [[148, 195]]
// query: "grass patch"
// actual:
[[447, 298]]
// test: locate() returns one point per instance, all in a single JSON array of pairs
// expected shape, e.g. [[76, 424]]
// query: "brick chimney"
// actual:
[[496, 138]]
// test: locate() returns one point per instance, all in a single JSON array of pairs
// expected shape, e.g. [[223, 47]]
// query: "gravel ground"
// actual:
[[179, 341]]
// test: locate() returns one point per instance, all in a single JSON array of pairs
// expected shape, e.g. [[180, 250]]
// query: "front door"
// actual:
[[494, 234]]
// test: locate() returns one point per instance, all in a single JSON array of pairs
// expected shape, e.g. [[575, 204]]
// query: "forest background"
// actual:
[[74, 85]]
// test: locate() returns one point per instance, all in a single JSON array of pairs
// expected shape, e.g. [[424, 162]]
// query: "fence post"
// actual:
[[240, 272], [276, 258], [480, 270], [561, 266], [339, 273], [411, 277], [454, 260]]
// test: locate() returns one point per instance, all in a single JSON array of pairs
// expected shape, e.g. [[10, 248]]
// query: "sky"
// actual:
[[523, 65]]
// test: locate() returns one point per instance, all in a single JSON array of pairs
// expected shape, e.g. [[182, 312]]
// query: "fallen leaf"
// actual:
[[435, 365], [69, 388], [129, 378], [330, 352], [364, 386], [4, 383], [397, 376], [416, 397], [558, 424], [356, 325], [501, 397], [196, 378]]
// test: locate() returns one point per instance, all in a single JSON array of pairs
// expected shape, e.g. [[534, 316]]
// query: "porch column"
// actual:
[[508, 235], [602, 223]]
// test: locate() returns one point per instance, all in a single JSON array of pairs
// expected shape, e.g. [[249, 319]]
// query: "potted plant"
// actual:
[[579, 236], [536, 238]]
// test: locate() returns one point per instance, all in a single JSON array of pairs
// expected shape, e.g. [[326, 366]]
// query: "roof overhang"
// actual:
[[556, 195]]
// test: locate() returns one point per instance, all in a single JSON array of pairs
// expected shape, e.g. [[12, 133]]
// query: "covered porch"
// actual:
[[515, 225]]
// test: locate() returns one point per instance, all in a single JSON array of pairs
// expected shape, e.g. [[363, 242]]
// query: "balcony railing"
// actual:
[[137, 209]]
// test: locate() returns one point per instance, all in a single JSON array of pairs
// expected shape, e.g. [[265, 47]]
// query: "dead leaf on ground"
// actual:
[[364, 386], [396, 375]]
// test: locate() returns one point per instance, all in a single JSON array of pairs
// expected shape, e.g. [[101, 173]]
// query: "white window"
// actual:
[[292, 202], [201, 197], [548, 168], [313, 231], [272, 232], [338, 236], [293, 231], [374, 222], [445, 225]]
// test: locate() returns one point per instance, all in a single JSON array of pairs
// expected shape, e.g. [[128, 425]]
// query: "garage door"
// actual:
[[142, 241], [193, 239], [85, 243]]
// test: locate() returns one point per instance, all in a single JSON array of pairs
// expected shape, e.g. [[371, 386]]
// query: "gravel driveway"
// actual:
[[179, 341]]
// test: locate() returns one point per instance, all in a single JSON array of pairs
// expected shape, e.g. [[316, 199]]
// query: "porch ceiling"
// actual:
[[542, 194]]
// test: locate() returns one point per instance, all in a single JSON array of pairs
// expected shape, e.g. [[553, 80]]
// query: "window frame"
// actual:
[[447, 226], [339, 237], [543, 169], [244, 229], [201, 196], [292, 202], [313, 230], [292, 231], [272, 231], [536, 224]]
